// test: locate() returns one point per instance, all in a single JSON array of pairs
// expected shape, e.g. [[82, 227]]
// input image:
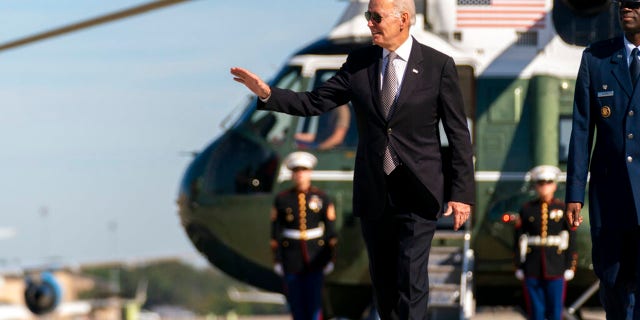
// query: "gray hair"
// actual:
[[406, 6]]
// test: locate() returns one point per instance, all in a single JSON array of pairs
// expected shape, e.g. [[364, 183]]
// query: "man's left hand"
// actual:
[[461, 212]]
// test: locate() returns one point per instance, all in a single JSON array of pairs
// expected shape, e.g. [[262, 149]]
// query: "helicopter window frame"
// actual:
[[308, 131], [276, 124]]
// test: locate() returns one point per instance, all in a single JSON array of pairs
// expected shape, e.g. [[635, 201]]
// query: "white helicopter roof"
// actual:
[[493, 51], [353, 25]]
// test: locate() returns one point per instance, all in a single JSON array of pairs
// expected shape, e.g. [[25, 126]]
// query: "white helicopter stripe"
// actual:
[[481, 176]]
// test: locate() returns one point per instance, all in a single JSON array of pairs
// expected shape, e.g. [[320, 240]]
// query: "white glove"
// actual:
[[328, 268], [277, 268], [569, 274], [519, 274]]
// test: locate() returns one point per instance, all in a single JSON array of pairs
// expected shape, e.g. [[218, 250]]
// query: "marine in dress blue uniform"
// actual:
[[607, 110], [303, 238], [545, 251]]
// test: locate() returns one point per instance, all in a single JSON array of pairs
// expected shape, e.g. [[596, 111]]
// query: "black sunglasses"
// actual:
[[375, 17], [543, 182], [629, 4]]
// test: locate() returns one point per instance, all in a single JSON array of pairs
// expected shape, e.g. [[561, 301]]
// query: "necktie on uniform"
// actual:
[[388, 97], [634, 68]]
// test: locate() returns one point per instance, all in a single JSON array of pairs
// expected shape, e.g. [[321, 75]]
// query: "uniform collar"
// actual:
[[628, 47]]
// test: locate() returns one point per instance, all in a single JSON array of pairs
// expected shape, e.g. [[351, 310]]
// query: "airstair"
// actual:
[[451, 275]]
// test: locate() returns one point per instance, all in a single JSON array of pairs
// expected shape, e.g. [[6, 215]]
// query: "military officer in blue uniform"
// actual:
[[545, 250], [303, 238], [607, 110]]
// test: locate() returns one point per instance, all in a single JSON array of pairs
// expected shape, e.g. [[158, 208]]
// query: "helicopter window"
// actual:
[[330, 130], [564, 136], [527, 38], [290, 79], [238, 165], [273, 125]]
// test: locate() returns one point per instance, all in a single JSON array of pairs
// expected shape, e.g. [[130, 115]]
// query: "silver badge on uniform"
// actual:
[[315, 203], [556, 214], [605, 93]]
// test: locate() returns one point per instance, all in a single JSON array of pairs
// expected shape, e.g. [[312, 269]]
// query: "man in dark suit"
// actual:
[[607, 100], [398, 187]]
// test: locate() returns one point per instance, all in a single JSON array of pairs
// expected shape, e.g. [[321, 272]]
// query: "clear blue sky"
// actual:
[[96, 125]]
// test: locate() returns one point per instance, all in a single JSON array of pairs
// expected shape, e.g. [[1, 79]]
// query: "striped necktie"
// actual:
[[388, 97]]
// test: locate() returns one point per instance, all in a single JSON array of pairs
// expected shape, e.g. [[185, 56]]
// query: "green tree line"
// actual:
[[176, 283]]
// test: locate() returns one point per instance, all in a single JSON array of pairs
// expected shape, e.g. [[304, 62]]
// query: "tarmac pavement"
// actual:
[[513, 313], [482, 313]]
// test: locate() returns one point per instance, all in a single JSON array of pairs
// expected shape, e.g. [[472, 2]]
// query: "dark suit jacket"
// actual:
[[606, 100], [429, 93]]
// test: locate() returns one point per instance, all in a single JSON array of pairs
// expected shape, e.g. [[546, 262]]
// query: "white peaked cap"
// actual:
[[300, 159], [544, 172]]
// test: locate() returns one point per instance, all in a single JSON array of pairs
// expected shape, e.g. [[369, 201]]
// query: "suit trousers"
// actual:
[[616, 255], [398, 245]]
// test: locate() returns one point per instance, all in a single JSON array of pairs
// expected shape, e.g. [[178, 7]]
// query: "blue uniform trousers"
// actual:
[[615, 256], [304, 295], [545, 298]]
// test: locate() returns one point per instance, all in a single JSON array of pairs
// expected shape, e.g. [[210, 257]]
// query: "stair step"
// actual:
[[446, 295], [443, 279], [446, 249], [449, 234], [444, 268], [445, 256]]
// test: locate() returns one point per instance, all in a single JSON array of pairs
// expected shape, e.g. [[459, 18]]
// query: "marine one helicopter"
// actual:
[[517, 61]]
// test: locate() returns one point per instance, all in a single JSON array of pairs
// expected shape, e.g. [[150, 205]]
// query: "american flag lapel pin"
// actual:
[[415, 71]]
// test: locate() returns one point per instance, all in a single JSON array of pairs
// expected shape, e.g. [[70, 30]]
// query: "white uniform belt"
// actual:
[[549, 241], [303, 235], [561, 241]]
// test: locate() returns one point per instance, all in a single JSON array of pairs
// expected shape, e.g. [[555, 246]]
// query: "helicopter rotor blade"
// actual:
[[90, 23]]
